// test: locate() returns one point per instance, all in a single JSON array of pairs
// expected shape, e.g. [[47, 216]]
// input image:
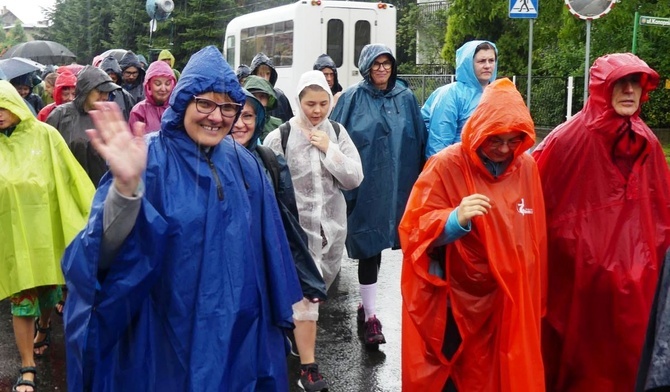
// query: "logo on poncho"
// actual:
[[521, 207]]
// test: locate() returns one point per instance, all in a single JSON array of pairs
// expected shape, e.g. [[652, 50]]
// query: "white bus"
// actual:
[[294, 35]]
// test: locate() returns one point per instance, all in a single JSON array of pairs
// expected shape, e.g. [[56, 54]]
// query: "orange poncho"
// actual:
[[494, 274]]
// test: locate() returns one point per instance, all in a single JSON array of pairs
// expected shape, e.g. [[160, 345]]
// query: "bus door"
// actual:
[[344, 34]]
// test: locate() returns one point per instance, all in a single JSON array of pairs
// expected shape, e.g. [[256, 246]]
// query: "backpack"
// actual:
[[271, 164], [285, 128]]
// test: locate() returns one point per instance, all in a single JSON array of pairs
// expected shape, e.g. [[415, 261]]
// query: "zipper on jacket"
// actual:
[[219, 187]]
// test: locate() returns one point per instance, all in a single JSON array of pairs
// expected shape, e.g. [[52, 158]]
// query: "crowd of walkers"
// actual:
[[188, 225]]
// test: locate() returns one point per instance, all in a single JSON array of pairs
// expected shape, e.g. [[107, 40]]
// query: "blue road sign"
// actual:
[[526, 9]]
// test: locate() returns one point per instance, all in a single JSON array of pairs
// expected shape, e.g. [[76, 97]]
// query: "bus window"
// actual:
[[335, 41], [283, 49], [361, 38], [230, 51], [275, 40]]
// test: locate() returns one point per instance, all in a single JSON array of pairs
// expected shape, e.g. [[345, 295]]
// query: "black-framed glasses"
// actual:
[[207, 106], [386, 65]]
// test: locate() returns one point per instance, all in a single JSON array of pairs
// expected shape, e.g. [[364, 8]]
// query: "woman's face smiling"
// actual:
[[208, 129], [245, 126]]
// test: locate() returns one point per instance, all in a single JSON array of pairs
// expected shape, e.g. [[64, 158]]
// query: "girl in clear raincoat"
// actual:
[[322, 164]]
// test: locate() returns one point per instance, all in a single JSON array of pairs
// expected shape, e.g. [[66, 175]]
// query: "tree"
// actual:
[[16, 35]]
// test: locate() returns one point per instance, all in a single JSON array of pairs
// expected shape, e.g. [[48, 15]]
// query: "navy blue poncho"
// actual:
[[198, 294]]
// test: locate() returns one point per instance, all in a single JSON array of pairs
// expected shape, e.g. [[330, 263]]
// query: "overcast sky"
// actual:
[[28, 11]]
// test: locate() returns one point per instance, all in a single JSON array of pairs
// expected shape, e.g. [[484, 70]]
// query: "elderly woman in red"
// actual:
[[607, 193], [474, 242]]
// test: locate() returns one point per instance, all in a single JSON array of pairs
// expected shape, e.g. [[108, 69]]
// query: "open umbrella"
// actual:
[[45, 52], [17, 66], [72, 68], [116, 53]]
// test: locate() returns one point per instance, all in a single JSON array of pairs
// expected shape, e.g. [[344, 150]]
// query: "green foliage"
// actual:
[[559, 42], [406, 37], [88, 27], [82, 26], [129, 27], [14, 36]]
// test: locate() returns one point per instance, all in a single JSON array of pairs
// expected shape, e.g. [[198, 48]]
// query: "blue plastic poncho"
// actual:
[[387, 128], [198, 294], [448, 108]]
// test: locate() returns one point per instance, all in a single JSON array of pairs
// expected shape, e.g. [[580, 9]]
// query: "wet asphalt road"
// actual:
[[343, 359]]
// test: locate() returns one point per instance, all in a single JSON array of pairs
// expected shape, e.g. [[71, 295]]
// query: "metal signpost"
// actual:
[[588, 10], [526, 9]]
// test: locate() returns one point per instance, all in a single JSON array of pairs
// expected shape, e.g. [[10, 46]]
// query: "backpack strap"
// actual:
[[285, 129], [336, 128], [271, 164]]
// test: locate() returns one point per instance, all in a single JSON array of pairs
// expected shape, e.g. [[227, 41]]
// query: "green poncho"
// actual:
[[45, 198]]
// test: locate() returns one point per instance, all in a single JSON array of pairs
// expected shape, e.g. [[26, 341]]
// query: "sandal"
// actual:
[[44, 342], [20, 382], [59, 308]]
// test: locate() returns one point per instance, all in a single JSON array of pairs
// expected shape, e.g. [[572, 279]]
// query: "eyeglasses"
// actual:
[[128, 73], [248, 118], [207, 106], [513, 143], [386, 65]]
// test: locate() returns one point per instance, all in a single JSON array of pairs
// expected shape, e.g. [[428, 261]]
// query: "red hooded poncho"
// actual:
[[607, 237], [494, 274], [65, 79]]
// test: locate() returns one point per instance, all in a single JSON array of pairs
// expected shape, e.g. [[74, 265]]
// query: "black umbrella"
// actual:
[[116, 53], [45, 52], [17, 66]]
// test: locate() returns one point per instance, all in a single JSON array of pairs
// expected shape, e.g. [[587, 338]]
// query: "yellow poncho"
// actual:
[[45, 198]]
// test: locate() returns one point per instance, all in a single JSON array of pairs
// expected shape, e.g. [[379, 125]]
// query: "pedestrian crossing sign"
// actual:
[[523, 9]]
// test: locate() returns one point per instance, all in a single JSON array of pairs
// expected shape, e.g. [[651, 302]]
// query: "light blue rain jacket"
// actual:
[[449, 107]]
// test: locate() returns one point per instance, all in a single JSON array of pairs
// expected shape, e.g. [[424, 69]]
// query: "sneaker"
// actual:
[[360, 314], [293, 347], [311, 380], [373, 332]]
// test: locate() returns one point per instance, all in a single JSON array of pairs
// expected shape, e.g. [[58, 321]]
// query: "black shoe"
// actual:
[[373, 332], [311, 380]]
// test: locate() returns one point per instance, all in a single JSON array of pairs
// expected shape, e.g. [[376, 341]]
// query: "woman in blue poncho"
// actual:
[[183, 278]]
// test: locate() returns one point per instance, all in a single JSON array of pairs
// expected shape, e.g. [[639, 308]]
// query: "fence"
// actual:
[[549, 95]]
